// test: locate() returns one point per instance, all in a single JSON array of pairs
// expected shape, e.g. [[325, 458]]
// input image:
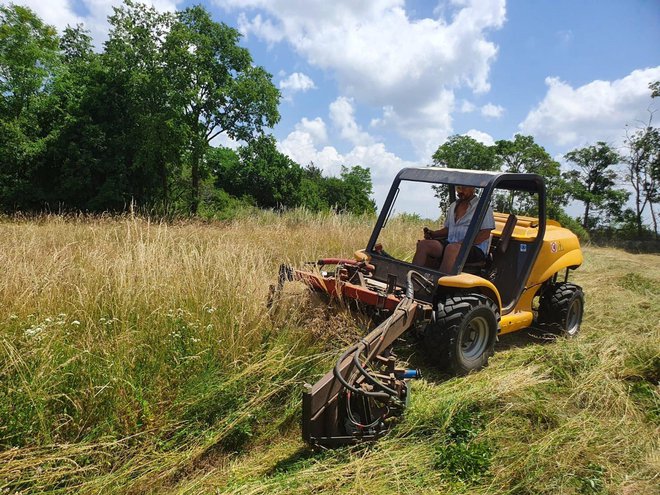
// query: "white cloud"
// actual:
[[480, 136], [297, 81], [57, 13], [266, 29], [427, 128], [342, 115], [224, 140], [315, 128], [467, 107], [383, 58], [597, 111], [61, 13], [492, 111], [304, 146], [300, 146]]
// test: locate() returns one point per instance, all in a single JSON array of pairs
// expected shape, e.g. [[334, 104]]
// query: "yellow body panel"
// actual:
[[526, 298], [471, 282], [526, 228], [516, 320], [361, 255], [560, 248]]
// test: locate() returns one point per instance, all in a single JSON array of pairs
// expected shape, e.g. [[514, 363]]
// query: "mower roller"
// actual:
[[457, 315]]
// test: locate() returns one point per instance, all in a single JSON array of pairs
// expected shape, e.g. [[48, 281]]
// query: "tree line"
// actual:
[[597, 178], [134, 123]]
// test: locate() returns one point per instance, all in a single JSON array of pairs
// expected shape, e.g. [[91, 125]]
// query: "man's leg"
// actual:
[[427, 248], [451, 253]]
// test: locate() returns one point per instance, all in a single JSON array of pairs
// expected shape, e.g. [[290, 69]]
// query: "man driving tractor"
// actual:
[[441, 247]]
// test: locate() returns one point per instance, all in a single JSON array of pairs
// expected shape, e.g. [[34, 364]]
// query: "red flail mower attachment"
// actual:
[[361, 396]]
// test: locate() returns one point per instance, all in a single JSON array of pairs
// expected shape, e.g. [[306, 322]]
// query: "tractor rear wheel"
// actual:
[[561, 307], [462, 338]]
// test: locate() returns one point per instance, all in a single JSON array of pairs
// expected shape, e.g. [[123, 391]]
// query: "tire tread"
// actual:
[[440, 338], [555, 303]]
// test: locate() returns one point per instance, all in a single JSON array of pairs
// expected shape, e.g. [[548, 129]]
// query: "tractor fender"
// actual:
[[571, 259], [469, 282]]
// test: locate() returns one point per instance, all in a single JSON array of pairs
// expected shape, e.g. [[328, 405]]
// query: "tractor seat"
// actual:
[[507, 232], [475, 267], [488, 264], [502, 247]]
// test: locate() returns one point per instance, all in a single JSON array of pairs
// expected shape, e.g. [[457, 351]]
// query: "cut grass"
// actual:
[[138, 356]]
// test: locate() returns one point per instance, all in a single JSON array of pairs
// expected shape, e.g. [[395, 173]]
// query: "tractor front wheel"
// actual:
[[561, 307], [462, 338]]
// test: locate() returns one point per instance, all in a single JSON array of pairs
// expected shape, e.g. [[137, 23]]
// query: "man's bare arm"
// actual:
[[482, 236], [436, 234]]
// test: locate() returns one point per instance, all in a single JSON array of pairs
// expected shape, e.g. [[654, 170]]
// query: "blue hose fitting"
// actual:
[[409, 374]]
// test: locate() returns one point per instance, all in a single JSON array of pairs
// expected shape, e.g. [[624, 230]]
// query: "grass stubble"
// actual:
[[139, 357]]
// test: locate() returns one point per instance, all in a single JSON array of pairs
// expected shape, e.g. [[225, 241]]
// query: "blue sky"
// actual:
[[383, 83]]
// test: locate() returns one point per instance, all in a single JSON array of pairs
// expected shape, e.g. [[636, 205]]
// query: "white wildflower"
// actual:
[[33, 331]]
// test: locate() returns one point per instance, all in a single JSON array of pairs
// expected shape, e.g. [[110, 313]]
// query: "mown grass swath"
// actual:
[[139, 356]]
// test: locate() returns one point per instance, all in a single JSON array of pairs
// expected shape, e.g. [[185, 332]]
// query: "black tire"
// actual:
[[463, 336], [561, 308]]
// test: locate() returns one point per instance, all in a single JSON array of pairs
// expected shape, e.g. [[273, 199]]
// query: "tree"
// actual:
[[28, 60], [351, 191], [268, 178], [642, 163], [312, 191], [523, 155], [215, 88], [28, 56], [142, 127], [465, 152], [655, 89], [95, 131], [265, 174], [461, 152], [593, 183], [65, 176]]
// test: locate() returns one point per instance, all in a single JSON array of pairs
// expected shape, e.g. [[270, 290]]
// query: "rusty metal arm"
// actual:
[[321, 415]]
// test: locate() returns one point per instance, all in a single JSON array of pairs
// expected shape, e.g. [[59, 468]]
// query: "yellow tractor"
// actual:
[[458, 315]]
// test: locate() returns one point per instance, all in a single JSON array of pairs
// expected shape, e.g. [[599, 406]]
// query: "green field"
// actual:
[[139, 357]]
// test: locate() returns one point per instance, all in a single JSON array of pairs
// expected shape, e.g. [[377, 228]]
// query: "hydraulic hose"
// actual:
[[338, 376], [357, 349], [412, 277], [356, 361]]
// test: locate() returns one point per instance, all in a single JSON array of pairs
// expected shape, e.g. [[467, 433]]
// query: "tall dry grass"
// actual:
[[139, 356]]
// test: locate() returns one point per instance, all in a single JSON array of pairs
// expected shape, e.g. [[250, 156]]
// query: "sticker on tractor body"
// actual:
[[556, 247]]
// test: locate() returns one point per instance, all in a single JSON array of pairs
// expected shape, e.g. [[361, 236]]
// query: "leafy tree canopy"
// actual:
[[655, 89], [465, 152], [593, 183], [523, 155], [29, 59]]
